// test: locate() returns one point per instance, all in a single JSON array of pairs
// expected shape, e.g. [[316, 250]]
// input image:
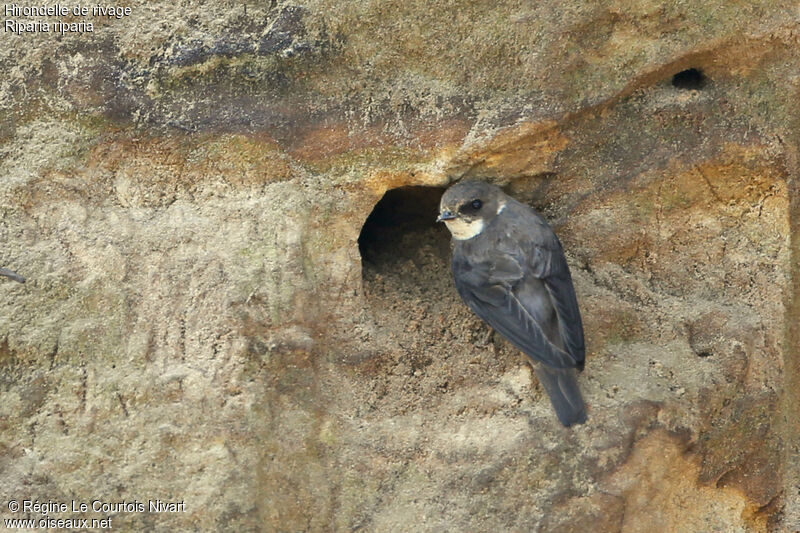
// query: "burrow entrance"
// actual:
[[401, 224], [405, 255]]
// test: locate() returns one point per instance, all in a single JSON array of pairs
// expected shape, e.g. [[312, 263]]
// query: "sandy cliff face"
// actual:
[[237, 296]]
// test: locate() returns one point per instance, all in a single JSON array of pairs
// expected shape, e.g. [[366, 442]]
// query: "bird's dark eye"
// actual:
[[476, 204]]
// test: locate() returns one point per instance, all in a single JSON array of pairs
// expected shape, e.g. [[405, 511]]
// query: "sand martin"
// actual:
[[510, 269]]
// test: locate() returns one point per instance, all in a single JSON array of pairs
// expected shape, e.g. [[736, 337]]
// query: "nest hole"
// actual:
[[401, 228], [689, 79], [405, 258]]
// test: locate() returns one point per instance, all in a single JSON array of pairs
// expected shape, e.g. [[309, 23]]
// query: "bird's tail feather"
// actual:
[[561, 386], [11, 274]]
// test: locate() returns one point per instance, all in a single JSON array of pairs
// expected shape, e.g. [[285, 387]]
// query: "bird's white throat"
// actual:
[[463, 230]]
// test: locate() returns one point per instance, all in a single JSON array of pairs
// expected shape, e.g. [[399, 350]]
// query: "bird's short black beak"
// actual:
[[445, 215]]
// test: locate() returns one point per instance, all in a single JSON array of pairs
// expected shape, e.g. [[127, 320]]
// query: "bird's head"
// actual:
[[467, 207]]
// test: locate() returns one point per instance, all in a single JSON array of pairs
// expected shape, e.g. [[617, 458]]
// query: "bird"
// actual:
[[509, 268], [11, 274]]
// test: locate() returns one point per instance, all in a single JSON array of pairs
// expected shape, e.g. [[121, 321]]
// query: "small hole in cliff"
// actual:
[[705, 353], [689, 79], [401, 228]]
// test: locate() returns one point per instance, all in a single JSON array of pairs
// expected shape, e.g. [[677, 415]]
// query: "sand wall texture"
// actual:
[[238, 299]]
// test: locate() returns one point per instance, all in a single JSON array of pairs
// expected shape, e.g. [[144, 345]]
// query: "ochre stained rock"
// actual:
[[660, 490]]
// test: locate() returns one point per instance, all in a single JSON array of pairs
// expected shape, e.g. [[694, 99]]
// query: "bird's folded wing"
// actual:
[[497, 305], [550, 266]]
